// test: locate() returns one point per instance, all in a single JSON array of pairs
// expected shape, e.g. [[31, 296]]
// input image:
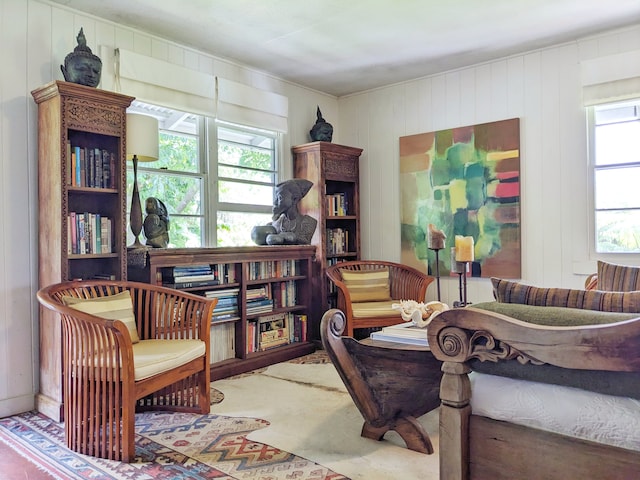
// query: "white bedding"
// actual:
[[570, 411]]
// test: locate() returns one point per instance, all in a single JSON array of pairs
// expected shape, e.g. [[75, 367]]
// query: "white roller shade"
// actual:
[[158, 82], [245, 105], [611, 78]]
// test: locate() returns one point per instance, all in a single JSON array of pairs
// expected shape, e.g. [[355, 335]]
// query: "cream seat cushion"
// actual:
[[151, 357], [375, 309]]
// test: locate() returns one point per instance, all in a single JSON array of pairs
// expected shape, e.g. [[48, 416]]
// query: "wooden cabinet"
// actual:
[[77, 121], [270, 287], [334, 202]]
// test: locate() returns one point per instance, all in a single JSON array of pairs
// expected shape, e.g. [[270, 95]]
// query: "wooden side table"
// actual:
[[392, 384]]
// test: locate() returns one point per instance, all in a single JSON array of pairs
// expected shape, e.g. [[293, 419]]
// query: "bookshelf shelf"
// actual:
[[93, 120], [334, 202], [235, 339]]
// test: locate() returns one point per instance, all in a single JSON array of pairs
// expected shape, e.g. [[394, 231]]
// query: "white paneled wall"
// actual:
[[543, 89]]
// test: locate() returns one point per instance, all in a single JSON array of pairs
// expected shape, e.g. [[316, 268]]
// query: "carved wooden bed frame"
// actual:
[[475, 447]]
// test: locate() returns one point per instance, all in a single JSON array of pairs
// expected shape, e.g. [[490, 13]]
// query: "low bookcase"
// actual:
[[264, 296]]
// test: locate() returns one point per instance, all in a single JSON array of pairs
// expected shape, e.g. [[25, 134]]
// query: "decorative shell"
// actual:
[[418, 312]]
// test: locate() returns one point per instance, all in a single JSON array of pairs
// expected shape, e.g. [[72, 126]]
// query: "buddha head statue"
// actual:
[[81, 66], [322, 130]]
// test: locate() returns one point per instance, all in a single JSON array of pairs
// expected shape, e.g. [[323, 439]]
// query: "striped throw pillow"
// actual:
[[367, 285], [618, 278], [506, 291], [111, 307]]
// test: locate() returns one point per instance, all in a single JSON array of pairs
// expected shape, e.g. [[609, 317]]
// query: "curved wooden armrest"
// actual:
[[462, 334]]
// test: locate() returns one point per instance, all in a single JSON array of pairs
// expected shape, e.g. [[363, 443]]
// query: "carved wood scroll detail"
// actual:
[[336, 164], [462, 345], [95, 117]]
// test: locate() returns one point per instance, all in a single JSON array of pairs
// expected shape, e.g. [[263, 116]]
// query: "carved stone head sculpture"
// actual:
[[322, 131], [82, 66]]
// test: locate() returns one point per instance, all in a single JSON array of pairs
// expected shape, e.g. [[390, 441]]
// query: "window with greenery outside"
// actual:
[[616, 177], [214, 196]]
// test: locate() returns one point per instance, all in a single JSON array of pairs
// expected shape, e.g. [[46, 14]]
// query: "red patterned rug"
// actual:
[[168, 446]]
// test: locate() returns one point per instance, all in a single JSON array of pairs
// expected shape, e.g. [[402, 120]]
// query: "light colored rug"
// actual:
[[312, 415]]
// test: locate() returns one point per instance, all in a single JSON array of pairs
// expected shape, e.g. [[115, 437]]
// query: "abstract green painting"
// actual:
[[465, 181]]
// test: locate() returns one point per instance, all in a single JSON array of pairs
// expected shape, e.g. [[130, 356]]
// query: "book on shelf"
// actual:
[[273, 331], [407, 333], [222, 341], [222, 292], [196, 284]]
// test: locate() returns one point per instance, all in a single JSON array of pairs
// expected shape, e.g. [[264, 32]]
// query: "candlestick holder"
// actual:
[[436, 251], [462, 284]]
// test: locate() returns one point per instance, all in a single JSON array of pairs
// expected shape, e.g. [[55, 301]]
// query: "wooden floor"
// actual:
[[16, 467]]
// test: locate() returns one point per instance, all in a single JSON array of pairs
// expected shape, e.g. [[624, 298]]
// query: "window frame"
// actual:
[[593, 167]]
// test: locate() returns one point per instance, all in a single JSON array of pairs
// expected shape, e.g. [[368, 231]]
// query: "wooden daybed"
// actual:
[[477, 447]]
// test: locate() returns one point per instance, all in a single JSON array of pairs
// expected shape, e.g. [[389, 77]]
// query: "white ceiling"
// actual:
[[345, 46]]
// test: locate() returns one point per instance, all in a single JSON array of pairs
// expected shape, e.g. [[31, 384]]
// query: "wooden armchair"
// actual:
[[363, 302], [127, 347]]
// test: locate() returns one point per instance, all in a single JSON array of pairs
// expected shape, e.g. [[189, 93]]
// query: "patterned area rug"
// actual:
[[168, 446]]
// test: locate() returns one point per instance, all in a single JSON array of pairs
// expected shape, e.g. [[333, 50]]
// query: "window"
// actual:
[[616, 173], [246, 180], [214, 196]]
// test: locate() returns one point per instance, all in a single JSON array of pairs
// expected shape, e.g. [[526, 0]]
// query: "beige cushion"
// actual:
[[367, 285], [151, 357], [618, 278], [375, 309], [111, 307]]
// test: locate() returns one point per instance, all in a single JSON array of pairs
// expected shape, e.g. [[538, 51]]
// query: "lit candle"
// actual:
[[464, 249], [435, 238], [455, 267]]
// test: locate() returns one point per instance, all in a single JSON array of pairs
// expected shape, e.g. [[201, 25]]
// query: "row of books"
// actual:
[[337, 241], [89, 233], [271, 331], [91, 167], [273, 269], [337, 205]]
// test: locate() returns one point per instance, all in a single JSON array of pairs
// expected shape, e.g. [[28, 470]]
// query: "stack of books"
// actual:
[[259, 300], [227, 306], [189, 276], [407, 333]]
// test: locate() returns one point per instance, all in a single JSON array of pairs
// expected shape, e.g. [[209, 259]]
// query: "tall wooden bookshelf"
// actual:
[[333, 200], [267, 283], [75, 120]]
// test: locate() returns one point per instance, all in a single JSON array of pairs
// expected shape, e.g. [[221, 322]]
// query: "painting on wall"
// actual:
[[464, 181]]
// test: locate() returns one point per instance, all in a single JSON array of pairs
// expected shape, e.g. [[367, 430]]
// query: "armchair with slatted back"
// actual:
[[127, 347], [366, 289]]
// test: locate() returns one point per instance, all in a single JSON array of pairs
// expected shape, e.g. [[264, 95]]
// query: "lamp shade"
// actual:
[[142, 137]]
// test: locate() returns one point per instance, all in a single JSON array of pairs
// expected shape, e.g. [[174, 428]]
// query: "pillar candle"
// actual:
[[464, 249], [455, 267], [435, 238]]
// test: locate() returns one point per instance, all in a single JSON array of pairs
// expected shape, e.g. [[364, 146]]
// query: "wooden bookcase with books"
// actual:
[[82, 204], [333, 200], [264, 299]]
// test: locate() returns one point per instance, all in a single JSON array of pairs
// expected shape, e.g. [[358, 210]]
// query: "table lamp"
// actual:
[[142, 146]]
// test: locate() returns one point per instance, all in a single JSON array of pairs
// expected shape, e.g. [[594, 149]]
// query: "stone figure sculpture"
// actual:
[[322, 130], [156, 223], [82, 66], [288, 227]]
